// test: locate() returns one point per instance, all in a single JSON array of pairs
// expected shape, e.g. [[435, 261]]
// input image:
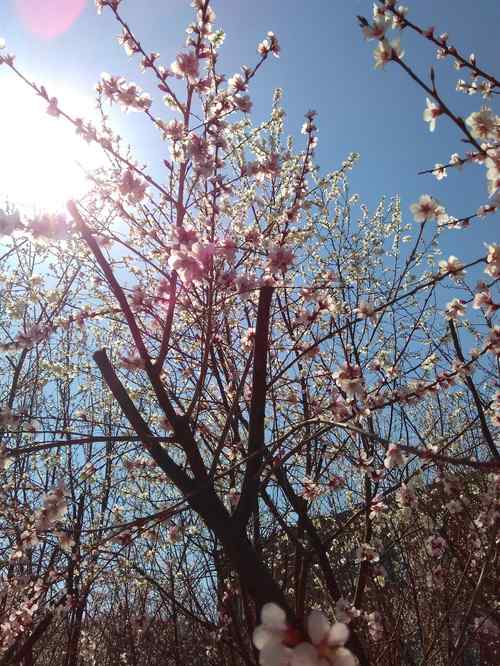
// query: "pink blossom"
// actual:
[[246, 285], [280, 258], [132, 187], [405, 496], [336, 482], [340, 409], [484, 124], [186, 65], [367, 553], [132, 362], [185, 236], [435, 545], [128, 95], [494, 339], [483, 299], [377, 507], [366, 311], [375, 626], [227, 248], [425, 209], [377, 29], [268, 636], [9, 222], [243, 103], [175, 534], [128, 42], [349, 379], [311, 490], [326, 646], [54, 227], [493, 261], [386, 51], [454, 309], [100, 4], [394, 457], [440, 171], [432, 113], [237, 84], [453, 266], [345, 612], [269, 45], [53, 109], [174, 129]]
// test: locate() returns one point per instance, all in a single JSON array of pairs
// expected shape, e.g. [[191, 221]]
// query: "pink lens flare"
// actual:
[[49, 18]]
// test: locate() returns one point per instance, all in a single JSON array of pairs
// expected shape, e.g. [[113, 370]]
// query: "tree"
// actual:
[[279, 412]]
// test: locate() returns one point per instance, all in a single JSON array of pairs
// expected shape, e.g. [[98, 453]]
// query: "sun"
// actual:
[[42, 160]]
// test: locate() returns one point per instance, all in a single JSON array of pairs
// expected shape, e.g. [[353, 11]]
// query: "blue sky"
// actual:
[[325, 65]]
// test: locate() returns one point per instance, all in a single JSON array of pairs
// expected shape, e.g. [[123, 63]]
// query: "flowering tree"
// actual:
[[237, 404]]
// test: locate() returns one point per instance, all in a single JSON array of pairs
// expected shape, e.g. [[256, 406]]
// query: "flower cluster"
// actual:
[[279, 644], [9, 222], [128, 95], [132, 187]]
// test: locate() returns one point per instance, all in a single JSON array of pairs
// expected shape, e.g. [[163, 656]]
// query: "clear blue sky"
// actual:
[[325, 65]]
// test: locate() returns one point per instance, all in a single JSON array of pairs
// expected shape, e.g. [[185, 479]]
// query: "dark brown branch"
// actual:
[[256, 430], [475, 395]]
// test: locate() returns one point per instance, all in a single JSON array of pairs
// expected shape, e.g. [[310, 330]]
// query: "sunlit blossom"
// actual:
[[432, 113]]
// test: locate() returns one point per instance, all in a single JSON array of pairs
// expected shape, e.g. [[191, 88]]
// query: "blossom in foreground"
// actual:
[[406, 496], [377, 29], [132, 187], [186, 65], [366, 311], [386, 51], [269, 45], [493, 261], [454, 309], [349, 378], [270, 635], [280, 258], [452, 265], [327, 644], [100, 4], [280, 645], [484, 124], [53, 109], [432, 113], [440, 171], [425, 208], [394, 457], [483, 299], [492, 164], [435, 545]]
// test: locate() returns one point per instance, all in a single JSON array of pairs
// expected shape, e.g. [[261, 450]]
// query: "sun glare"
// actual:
[[49, 18], [42, 160]]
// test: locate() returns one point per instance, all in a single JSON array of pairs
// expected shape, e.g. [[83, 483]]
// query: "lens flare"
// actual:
[[49, 18]]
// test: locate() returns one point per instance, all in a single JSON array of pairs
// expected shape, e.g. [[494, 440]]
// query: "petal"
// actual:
[[304, 655], [273, 616], [344, 657], [339, 633], [275, 655], [262, 636], [317, 626]]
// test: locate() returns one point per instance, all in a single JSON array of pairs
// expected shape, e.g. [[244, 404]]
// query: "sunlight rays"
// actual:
[[42, 160]]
